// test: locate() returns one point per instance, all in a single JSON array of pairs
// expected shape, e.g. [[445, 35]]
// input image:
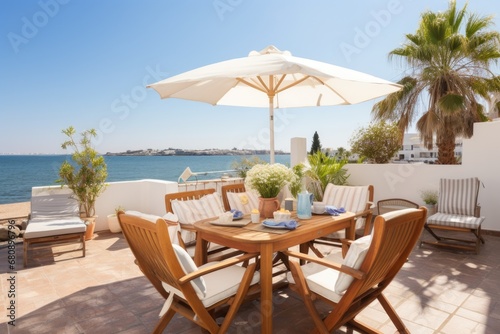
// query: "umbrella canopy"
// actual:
[[275, 79]]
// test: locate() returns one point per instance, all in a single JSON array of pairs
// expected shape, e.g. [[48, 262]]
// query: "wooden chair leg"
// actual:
[[391, 312]]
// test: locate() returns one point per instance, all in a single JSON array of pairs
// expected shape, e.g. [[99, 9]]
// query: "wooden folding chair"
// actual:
[[457, 211], [195, 293], [191, 207], [349, 285]]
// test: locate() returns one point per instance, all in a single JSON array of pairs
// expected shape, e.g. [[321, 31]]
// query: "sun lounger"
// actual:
[[54, 219]]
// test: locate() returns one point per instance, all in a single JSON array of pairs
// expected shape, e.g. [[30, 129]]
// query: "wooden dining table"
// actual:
[[255, 238]]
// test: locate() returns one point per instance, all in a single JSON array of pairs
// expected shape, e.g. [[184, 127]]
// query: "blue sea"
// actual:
[[18, 173]]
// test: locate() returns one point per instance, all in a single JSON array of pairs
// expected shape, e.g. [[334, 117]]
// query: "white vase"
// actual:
[[114, 224]]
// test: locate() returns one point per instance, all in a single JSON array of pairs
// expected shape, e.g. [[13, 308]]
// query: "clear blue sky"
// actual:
[[86, 64]]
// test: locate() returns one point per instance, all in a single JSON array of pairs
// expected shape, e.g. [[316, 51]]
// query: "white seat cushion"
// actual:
[[444, 219], [354, 258], [172, 229], [244, 201], [189, 266], [54, 206], [331, 283], [320, 279], [191, 211], [458, 196], [351, 198], [220, 284], [46, 227]]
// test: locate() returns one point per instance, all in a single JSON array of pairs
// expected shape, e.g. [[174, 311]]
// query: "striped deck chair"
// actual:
[[457, 211]]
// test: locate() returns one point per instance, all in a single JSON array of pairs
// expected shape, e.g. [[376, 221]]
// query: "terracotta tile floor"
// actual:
[[437, 291]]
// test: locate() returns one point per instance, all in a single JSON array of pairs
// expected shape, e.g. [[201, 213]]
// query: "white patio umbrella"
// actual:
[[275, 79]]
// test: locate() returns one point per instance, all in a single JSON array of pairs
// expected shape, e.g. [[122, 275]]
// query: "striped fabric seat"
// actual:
[[458, 196], [356, 199], [244, 202], [351, 198], [190, 211], [458, 211], [455, 220]]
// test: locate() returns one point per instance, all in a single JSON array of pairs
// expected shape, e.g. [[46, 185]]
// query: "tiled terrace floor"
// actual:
[[437, 291]]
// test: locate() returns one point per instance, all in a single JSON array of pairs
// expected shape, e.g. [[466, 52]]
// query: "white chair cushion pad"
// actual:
[[220, 284], [444, 219], [47, 227], [244, 201], [354, 258], [172, 229], [321, 280]]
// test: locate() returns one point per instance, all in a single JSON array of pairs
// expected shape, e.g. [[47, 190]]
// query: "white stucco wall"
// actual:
[[481, 158]]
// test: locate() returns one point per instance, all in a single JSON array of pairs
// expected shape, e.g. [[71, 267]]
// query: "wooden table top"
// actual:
[[313, 228]]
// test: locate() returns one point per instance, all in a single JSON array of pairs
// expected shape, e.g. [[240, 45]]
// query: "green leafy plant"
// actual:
[[268, 179], [378, 142], [324, 169], [86, 174], [296, 184]]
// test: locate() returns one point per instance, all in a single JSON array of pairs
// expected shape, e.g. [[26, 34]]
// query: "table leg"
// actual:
[[350, 232], [266, 285], [200, 252]]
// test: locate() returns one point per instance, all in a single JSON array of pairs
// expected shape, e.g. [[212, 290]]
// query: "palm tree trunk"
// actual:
[[446, 147]]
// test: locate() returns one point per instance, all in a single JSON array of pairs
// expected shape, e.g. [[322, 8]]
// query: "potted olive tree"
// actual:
[[85, 175]]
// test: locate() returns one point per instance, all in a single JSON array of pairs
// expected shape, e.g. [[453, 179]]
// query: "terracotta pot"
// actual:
[[267, 206], [90, 222]]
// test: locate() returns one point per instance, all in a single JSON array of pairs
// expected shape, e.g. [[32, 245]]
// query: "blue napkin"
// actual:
[[236, 213], [289, 224], [333, 210]]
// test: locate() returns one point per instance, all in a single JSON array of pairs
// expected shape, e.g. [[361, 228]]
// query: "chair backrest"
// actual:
[[231, 188], [156, 257], [235, 196], [394, 236], [352, 198], [54, 206], [393, 204], [458, 196], [192, 206], [185, 195]]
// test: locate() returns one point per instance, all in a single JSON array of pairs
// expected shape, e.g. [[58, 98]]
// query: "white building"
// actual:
[[413, 150]]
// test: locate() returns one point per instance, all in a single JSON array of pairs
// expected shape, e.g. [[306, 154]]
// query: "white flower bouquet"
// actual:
[[267, 179]]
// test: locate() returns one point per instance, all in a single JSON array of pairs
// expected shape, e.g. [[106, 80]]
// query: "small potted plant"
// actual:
[[85, 175], [113, 223], [268, 180], [430, 198]]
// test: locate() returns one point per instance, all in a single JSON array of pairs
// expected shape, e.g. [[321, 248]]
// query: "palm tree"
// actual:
[[449, 59]]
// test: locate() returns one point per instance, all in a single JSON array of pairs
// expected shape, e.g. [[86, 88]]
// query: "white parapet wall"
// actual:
[[146, 196], [481, 158]]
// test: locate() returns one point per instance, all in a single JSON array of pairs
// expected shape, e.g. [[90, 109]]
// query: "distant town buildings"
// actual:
[[413, 150]]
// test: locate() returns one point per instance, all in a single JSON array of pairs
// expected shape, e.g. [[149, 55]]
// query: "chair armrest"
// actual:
[[171, 223], [332, 265], [217, 266], [477, 211]]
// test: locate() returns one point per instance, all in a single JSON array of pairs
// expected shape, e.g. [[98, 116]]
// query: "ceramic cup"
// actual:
[[318, 207], [255, 217]]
